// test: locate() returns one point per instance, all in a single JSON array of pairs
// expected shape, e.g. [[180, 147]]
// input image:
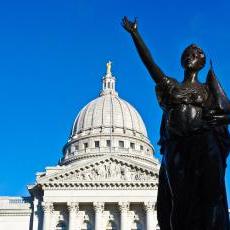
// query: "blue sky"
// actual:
[[52, 59]]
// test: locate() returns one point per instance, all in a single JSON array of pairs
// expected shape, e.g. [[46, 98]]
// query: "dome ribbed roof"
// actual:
[[107, 125], [109, 110]]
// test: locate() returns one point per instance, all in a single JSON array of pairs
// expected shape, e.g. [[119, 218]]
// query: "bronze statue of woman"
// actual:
[[194, 141]]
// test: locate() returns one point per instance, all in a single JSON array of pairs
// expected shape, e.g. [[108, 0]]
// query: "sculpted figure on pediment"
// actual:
[[102, 171], [125, 173], [114, 170]]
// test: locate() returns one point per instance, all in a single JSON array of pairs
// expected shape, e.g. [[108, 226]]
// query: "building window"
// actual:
[[97, 144], [132, 145], [76, 147], [141, 147], [109, 85], [85, 145], [108, 143], [121, 144]]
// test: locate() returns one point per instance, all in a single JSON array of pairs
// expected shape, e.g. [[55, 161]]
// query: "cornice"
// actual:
[[15, 212], [101, 185], [141, 137]]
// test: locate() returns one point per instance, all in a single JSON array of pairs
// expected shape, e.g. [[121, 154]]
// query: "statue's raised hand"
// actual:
[[131, 27]]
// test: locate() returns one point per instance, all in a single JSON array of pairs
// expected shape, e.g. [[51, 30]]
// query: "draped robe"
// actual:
[[192, 194]]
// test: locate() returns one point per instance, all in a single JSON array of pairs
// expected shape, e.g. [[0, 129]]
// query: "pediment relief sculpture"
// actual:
[[106, 171]]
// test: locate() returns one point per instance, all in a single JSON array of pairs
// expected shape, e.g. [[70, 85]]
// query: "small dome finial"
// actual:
[[108, 67]]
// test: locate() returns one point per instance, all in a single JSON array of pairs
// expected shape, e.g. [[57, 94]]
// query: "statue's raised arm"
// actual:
[[155, 72]]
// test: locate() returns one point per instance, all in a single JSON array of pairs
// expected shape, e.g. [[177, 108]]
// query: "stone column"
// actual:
[[124, 208], [149, 208], [99, 208], [35, 213], [47, 214], [73, 208]]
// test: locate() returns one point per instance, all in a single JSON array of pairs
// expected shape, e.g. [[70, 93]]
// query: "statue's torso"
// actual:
[[184, 106]]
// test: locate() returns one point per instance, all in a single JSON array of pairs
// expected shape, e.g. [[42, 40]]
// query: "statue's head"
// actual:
[[193, 58]]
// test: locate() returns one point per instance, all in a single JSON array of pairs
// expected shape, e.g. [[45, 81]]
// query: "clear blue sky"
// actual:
[[53, 55]]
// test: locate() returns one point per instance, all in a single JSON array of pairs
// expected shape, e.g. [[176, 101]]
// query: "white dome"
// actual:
[[109, 111], [107, 125]]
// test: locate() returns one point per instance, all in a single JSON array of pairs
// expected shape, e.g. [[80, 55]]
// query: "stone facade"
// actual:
[[106, 180], [15, 213]]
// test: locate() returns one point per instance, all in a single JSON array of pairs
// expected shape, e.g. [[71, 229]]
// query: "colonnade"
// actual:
[[73, 209]]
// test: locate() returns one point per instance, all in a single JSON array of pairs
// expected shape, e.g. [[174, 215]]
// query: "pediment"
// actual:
[[105, 170]]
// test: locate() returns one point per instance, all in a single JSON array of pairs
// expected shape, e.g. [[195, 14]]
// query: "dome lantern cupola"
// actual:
[[108, 81]]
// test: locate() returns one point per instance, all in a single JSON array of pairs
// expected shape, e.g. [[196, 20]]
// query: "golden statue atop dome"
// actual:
[[108, 65]]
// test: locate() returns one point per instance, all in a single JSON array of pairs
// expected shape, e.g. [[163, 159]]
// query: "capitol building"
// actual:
[[107, 178]]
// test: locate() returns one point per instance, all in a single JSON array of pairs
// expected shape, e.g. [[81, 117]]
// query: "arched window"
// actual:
[[86, 225], [111, 225], [61, 226]]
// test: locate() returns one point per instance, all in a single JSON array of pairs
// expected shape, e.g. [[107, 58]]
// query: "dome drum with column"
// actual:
[[107, 124]]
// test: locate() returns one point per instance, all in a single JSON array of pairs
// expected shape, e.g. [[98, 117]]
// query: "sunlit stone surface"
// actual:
[[106, 180]]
